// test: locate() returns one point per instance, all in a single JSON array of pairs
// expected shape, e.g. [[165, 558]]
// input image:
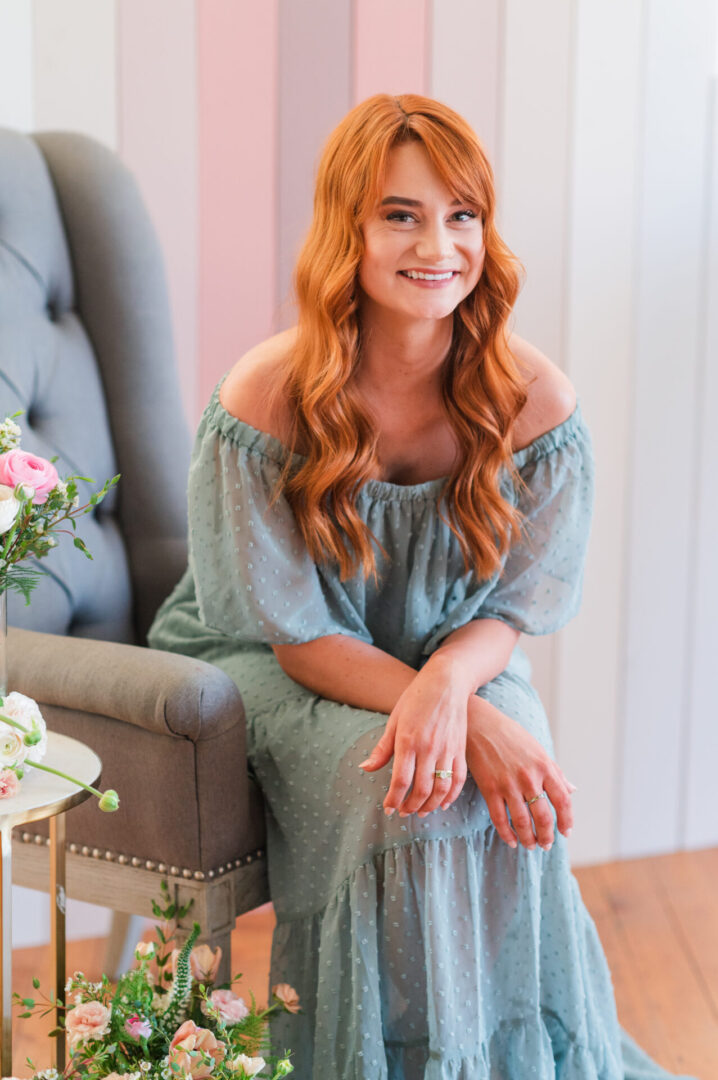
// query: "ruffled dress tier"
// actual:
[[421, 948]]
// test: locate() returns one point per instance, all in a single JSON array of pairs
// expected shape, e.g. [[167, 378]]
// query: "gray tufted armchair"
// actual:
[[86, 351]]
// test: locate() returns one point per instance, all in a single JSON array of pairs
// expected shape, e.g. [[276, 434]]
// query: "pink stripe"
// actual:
[[391, 42], [237, 102]]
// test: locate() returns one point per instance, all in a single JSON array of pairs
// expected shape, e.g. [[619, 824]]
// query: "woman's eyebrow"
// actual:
[[400, 201]]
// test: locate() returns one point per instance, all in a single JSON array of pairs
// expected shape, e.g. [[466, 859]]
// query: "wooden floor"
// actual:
[[657, 919]]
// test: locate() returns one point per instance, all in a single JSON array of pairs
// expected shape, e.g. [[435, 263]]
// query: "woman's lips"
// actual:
[[423, 283]]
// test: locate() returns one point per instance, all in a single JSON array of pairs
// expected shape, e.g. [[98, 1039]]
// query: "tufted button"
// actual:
[[52, 311]]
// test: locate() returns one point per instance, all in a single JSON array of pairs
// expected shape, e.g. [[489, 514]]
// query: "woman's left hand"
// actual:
[[425, 731]]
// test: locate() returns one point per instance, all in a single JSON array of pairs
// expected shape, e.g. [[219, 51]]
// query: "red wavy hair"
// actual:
[[483, 389]]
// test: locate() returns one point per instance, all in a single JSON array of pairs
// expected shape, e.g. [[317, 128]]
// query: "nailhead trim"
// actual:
[[147, 864]]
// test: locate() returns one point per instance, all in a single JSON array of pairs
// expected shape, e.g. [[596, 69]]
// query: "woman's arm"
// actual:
[[346, 669]]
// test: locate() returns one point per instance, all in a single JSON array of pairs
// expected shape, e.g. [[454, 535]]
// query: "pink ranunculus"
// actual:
[[20, 467], [9, 784], [231, 1008], [287, 995], [189, 1048], [90, 1020], [138, 1027], [203, 963]]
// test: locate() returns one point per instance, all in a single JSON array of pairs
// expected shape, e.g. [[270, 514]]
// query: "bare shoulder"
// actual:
[[247, 391], [551, 395]]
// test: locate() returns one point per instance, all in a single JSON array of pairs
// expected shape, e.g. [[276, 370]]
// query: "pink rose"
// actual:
[[287, 995], [138, 1027], [231, 1008], [9, 784], [203, 963], [90, 1020], [20, 467], [190, 1049]]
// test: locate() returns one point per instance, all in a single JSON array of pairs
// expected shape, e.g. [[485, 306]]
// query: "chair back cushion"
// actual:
[[86, 352]]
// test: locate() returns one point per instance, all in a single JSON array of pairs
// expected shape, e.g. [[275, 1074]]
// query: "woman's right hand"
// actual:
[[509, 766]]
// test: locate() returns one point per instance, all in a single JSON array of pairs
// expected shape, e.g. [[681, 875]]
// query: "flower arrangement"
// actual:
[[34, 503], [165, 1020], [23, 742]]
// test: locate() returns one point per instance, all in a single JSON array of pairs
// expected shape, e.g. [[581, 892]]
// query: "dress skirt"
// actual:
[[421, 948]]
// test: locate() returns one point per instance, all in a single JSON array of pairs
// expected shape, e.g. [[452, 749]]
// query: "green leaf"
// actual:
[[36, 983], [29, 1003]]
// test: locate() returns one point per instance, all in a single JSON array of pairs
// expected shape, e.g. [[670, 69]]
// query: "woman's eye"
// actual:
[[402, 215]]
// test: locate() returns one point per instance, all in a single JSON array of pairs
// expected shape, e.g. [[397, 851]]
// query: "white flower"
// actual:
[[251, 1065], [9, 508], [9, 435], [26, 712]]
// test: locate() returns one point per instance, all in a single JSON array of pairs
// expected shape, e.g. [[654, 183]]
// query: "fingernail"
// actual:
[[389, 811], [572, 786], [547, 847], [403, 813], [512, 843], [363, 763], [568, 832]]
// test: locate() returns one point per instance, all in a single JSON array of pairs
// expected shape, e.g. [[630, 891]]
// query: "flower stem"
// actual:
[[72, 779], [14, 723]]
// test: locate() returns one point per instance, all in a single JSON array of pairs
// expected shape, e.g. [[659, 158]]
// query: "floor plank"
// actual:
[[662, 996]]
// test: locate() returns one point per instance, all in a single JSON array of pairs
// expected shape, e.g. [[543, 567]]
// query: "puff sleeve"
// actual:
[[254, 578], [540, 586]]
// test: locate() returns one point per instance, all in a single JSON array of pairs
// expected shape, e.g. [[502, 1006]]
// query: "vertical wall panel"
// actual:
[[75, 67], [16, 65], [534, 167], [532, 175], [391, 43], [679, 58], [314, 94], [158, 141], [700, 825], [237, 169], [465, 73], [607, 98]]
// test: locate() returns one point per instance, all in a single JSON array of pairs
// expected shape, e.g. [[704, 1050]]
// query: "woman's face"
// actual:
[[419, 228]]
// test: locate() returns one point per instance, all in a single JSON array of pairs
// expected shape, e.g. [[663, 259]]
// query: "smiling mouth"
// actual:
[[418, 275]]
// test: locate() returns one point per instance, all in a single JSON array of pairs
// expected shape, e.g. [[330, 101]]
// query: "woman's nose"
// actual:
[[434, 242]]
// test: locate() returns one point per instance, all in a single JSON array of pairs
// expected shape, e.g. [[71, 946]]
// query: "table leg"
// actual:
[[58, 897], [6, 951]]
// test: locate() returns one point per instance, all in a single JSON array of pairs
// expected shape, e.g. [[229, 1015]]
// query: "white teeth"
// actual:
[[428, 277]]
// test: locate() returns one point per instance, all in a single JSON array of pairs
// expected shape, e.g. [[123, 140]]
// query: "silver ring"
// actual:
[[542, 795], [444, 774]]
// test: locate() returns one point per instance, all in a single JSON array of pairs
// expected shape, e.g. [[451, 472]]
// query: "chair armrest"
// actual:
[[171, 734], [162, 692]]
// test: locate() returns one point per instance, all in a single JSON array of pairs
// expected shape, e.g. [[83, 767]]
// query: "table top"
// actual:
[[43, 794]]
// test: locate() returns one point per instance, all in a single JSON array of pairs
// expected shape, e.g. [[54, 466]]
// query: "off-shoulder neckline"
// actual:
[[272, 447]]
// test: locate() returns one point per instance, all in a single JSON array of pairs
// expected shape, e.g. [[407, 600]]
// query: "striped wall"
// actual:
[[601, 119]]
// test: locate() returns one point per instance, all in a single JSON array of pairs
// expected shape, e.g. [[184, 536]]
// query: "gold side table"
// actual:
[[42, 795]]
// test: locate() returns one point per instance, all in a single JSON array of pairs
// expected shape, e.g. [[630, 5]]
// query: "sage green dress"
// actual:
[[421, 948]]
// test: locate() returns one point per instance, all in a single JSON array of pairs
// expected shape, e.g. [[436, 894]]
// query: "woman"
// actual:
[[381, 500]]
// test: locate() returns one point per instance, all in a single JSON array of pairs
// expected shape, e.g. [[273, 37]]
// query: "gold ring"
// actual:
[[542, 795], [443, 774]]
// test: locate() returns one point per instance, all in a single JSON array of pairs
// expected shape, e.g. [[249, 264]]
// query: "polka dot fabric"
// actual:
[[421, 948]]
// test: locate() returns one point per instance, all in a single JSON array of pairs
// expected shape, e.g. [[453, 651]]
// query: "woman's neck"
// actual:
[[403, 358]]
